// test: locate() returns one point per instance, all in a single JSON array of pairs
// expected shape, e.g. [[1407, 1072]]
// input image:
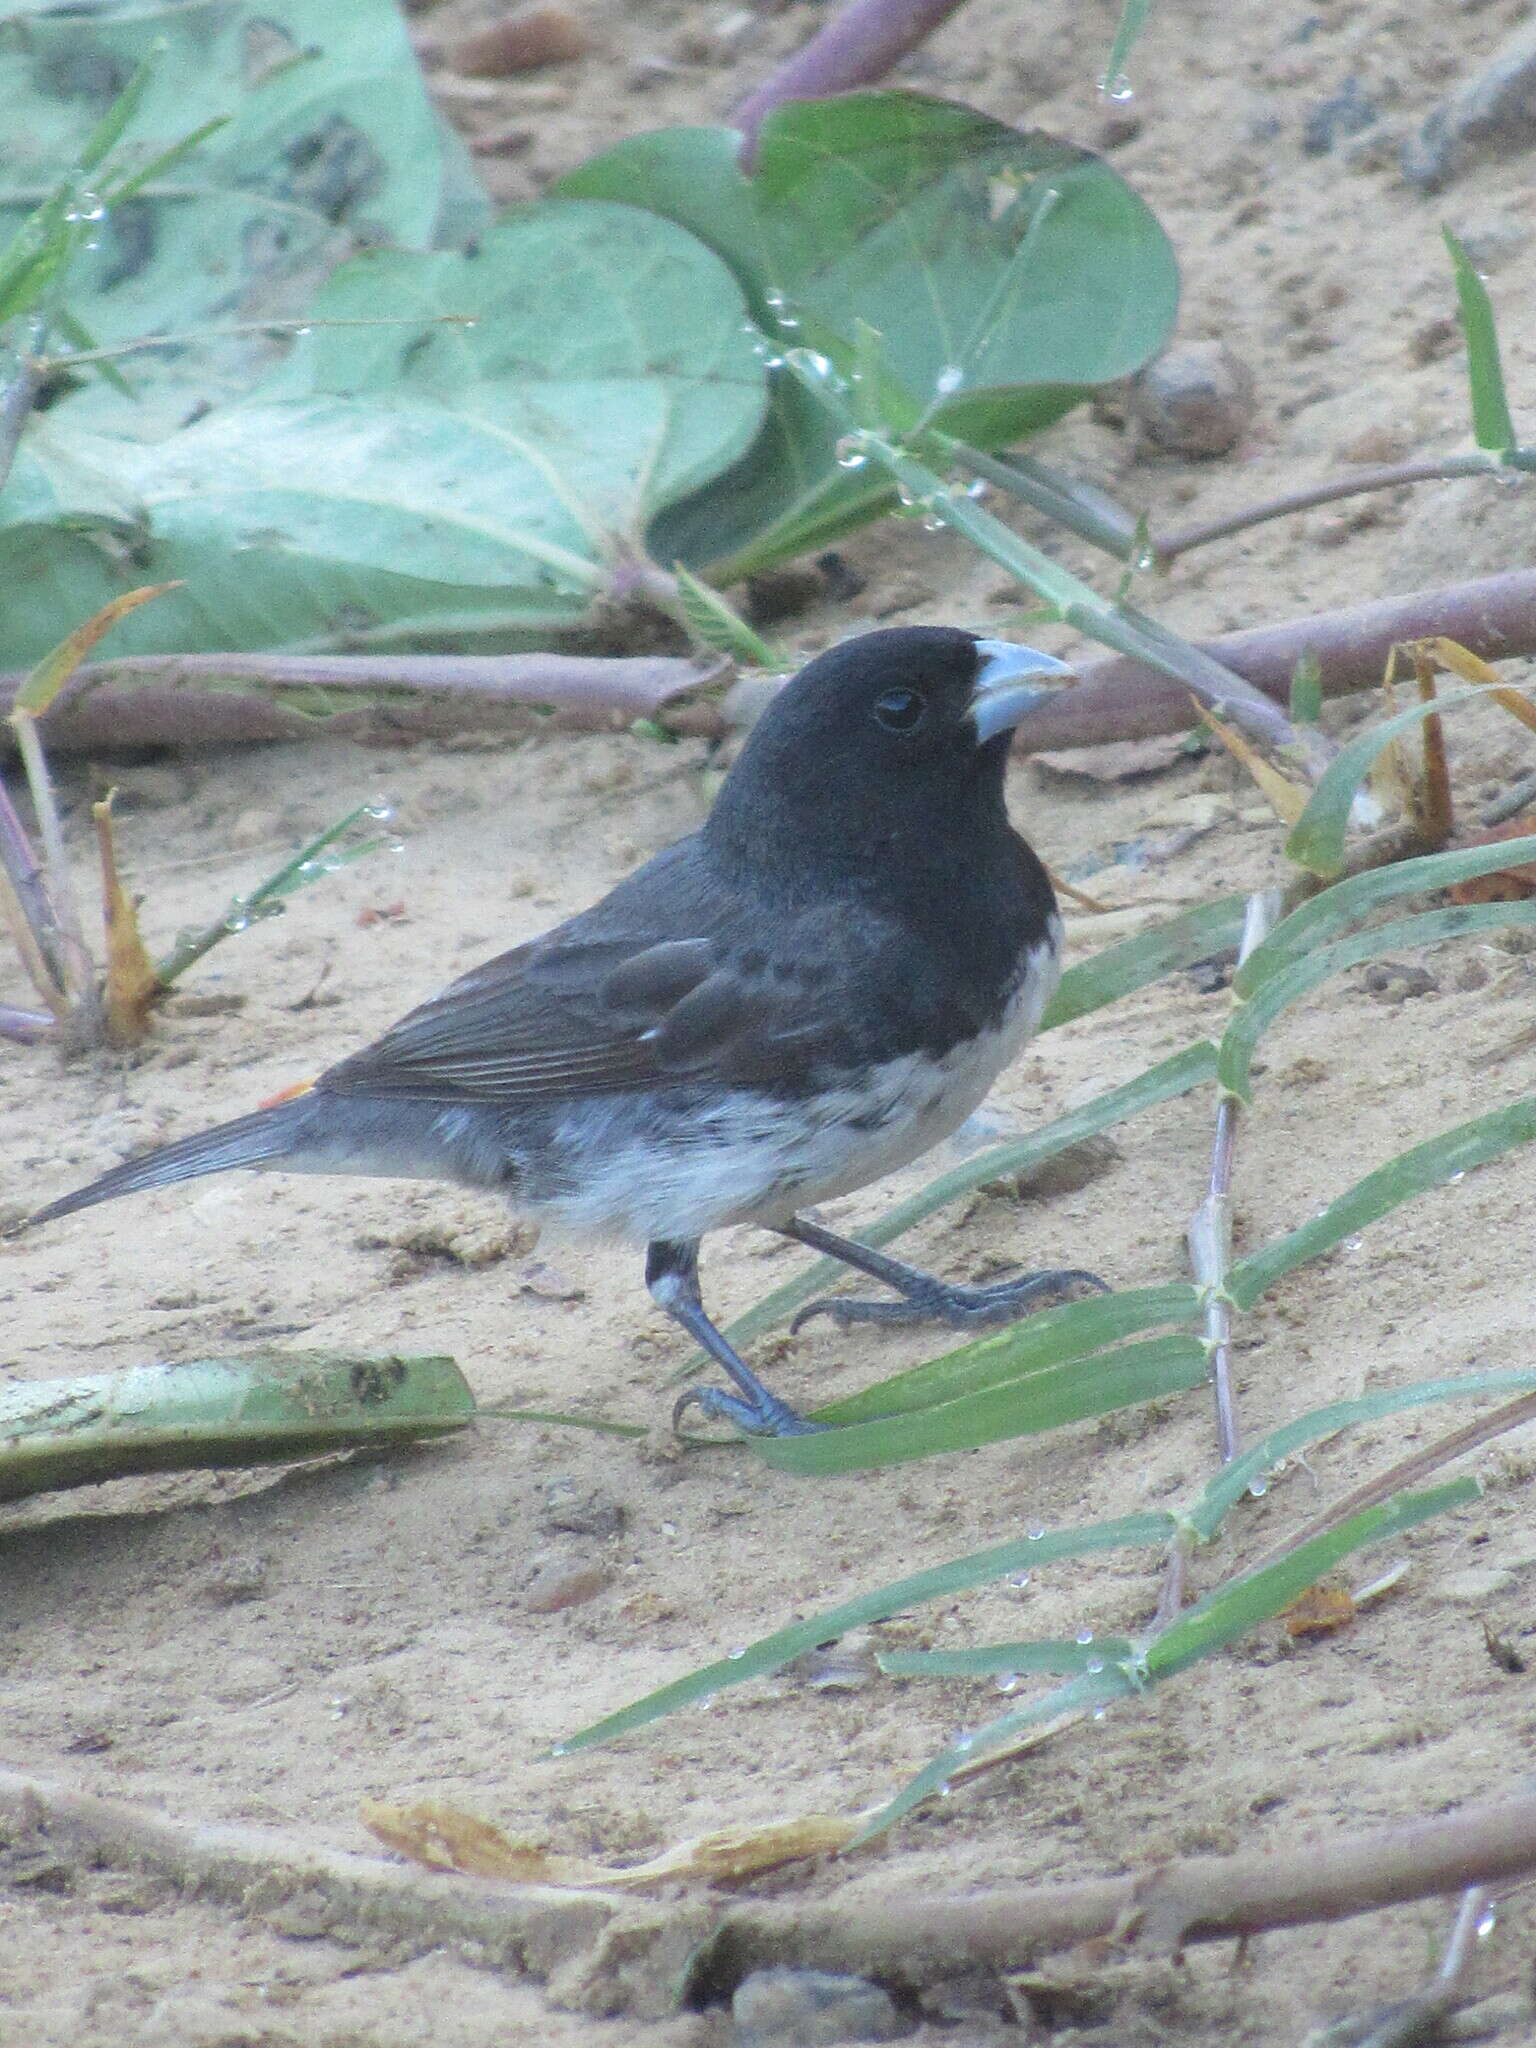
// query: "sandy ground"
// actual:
[[276, 1649]]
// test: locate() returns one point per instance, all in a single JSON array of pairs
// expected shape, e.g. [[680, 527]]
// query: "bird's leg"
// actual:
[[672, 1275], [925, 1299]]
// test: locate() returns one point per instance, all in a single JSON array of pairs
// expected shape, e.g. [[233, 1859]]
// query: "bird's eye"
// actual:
[[901, 710]]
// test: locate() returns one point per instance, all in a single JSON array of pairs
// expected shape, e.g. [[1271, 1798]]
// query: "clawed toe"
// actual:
[[770, 1418], [959, 1308]]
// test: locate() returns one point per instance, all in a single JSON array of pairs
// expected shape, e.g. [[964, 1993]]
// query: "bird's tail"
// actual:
[[248, 1141]]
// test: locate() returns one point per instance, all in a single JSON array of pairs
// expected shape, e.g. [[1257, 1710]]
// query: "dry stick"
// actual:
[[17, 398], [911, 1936], [174, 705], [1123, 699], [856, 47], [1166, 547]]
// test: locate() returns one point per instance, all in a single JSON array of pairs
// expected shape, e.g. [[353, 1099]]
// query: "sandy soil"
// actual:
[[276, 1649]]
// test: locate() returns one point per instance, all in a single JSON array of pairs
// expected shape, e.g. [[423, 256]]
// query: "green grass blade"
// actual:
[[1276, 993], [1221, 1617], [1348, 901], [1059, 1659], [263, 1408], [1133, 19], [1316, 840], [79, 336], [1052, 1337], [959, 1575], [1042, 1400], [716, 624], [1079, 1695], [113, 125], [1411, 1173], [1171, 1077], [1133, 963], [1492, 426], [1226, 1489], [1307, 690], [166, 160]]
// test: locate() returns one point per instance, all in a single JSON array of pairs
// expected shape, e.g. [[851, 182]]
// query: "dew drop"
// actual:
[[978, 487], [739, 1651], [944, 1791], [963, 1743], [559, 1748], [1085, 1635], [1034, 1535], [1117, 88], [1094, 1666], [379, 807], [1257, 1488], [950, 378], [1145, 559], [300, 332], [1488, 1923], [1455, 1177], [1006, 1681], [1019, 1579], [1099, 1713], [706, 1700], [812, 363], [850, 453]]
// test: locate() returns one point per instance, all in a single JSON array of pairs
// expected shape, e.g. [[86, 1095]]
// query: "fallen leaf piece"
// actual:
[[1503, 885], [445, 1837], [1502, 1651], [381, 913], [1319, 1612]]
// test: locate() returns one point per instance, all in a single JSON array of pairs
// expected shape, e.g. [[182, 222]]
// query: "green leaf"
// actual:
[[426, 479], [1133, 963], [771, 1652], [1219, 1619], [1171, 1077], [1316, 840], [1346, 902], [1492, 426], [1007, 275], [1306, 690], [1052, 1337], [987, 1659], [1133, 19], [1277, 991], [717, 625], [1046, 1398], [1240, 1605], [326, 142], [266, 1407], [1415, 1172], [1247, 1472]]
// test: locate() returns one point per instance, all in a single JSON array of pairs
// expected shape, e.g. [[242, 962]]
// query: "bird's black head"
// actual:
[[891, 745]]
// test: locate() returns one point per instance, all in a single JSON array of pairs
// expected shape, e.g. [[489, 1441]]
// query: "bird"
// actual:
[[803, 995]]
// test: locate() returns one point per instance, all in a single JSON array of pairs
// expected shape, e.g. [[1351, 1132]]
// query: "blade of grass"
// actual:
[[1055, 1659], [1313, 921], [1201, 1630], [771, 1652], [1133, 19], [1278, 991], [1414, 1172], [1223, 1491], [1492, 426], [1133, 963], [1046, 1399], [1052, 1337]]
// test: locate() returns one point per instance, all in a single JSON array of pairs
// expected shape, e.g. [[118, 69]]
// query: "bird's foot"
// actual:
[[768, 1416], [927, 1300]]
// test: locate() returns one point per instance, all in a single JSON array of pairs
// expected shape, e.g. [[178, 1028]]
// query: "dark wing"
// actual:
[[671, 975]]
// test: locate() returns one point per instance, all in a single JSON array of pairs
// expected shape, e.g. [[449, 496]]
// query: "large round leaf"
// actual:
[[1007, 273]]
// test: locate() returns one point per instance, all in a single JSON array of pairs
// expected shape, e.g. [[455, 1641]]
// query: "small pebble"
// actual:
[[1490, 116], [581, 1511], [784, 2008], [563, 1582], [1347, 112], [1394, 981], [1473, 1588], [1195, 399]]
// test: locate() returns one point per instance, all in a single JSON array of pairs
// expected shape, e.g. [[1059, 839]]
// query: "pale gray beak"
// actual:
[[1009, 683]]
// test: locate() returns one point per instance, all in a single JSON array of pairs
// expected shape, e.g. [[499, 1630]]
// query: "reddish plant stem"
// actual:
[[166, 699], [858, 46], [1124, 699]]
